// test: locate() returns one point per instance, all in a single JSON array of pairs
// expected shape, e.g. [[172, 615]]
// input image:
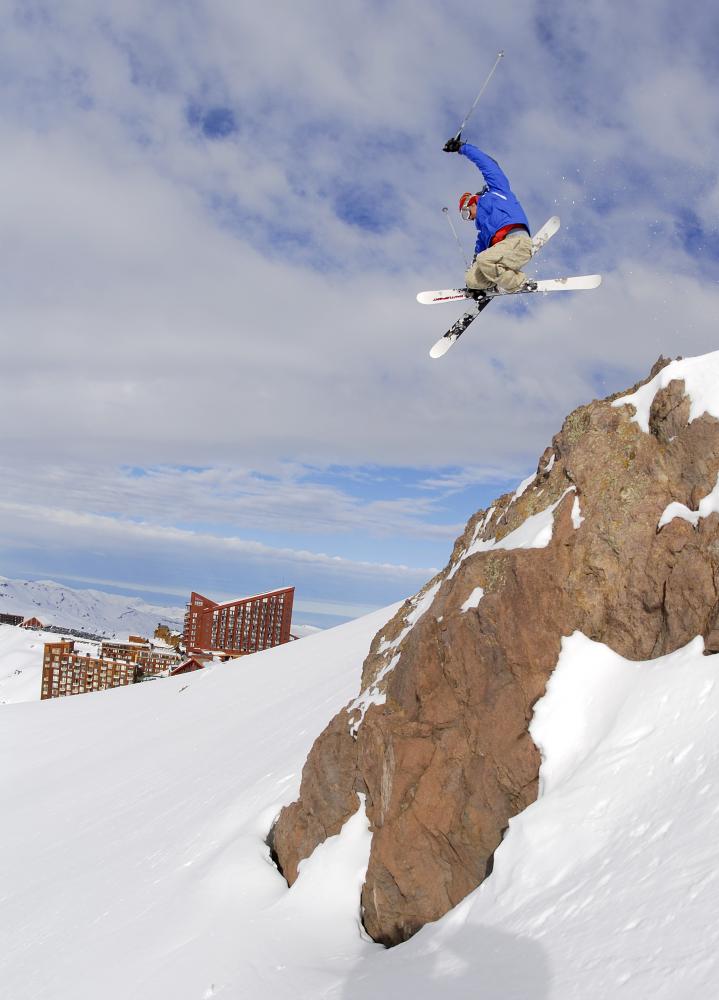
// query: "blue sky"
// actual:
[[215, 374]]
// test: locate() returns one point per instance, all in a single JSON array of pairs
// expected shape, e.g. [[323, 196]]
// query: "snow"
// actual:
[[331, 880], [701, 384], [535, 532], [419, 604], [522, 488], [707, 505], [473, 600], [479, 528], [372, 695], [608, 885], [21, 653], [302, 631], [133, 859], [93, 611], [134, 862], [577, 518]]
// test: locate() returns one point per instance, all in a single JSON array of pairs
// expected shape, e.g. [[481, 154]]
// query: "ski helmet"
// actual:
[[465, 203]]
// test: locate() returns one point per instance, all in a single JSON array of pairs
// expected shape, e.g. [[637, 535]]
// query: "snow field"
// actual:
[[86, 610], [608, 885], [134, 862], [21, 653]]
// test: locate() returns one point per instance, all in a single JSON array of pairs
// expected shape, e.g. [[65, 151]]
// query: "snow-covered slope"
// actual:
[[133, 860], [21, 652], [608, 885], [91, 611], [88, 610]]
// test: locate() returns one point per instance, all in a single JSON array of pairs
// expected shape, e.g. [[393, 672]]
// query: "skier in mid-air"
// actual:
[[503, 244]]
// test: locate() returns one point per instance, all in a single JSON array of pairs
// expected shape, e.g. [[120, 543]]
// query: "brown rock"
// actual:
[[441, 748]]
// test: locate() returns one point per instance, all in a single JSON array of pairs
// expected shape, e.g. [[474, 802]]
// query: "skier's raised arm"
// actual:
[[494, 176]]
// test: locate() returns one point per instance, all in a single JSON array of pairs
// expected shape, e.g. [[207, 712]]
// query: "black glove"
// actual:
[[452, 145]]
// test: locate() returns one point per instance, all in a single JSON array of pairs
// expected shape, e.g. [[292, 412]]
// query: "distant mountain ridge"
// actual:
[[114, 615]]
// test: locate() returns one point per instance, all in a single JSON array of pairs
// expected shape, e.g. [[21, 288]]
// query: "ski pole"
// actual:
[[500, 54], [454, 233]]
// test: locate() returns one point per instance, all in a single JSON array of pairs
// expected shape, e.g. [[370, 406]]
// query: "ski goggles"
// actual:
[[465, 204]]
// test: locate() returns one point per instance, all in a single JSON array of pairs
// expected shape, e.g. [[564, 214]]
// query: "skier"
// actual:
[[503, 244]]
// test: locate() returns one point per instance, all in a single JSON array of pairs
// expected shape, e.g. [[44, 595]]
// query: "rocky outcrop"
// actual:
[[437, 739]]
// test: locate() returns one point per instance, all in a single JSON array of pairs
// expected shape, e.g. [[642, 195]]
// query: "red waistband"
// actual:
[[505, 231]]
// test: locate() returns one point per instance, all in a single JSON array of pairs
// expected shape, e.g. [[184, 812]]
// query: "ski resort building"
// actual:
[[197, 661], [6, 619], [246, 625], [33, 623], [66, 672], [151, 659]]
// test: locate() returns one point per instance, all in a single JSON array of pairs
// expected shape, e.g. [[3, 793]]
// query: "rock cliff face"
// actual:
[[614, 536]]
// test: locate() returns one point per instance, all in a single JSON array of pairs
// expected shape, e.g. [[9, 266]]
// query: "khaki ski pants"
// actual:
[[501, 265]]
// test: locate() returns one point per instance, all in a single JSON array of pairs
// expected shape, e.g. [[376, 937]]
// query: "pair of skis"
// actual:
[[482, 299]]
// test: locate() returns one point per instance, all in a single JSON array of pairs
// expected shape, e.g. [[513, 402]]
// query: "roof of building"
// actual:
[[253, 597], [199, 661]]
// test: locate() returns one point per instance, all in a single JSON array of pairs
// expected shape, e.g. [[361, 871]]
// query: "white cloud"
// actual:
[[169, 300], [44, 526], [288, 501]]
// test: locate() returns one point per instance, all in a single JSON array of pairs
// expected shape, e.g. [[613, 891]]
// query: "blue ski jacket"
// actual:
[[497, 206]]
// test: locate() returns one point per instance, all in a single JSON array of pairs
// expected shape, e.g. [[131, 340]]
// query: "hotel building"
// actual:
[[239, 627], [66, 672]]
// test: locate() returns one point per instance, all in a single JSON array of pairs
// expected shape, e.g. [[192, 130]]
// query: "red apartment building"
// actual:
[[66, 672], [149, 658], [238, 627], [6, 619]]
